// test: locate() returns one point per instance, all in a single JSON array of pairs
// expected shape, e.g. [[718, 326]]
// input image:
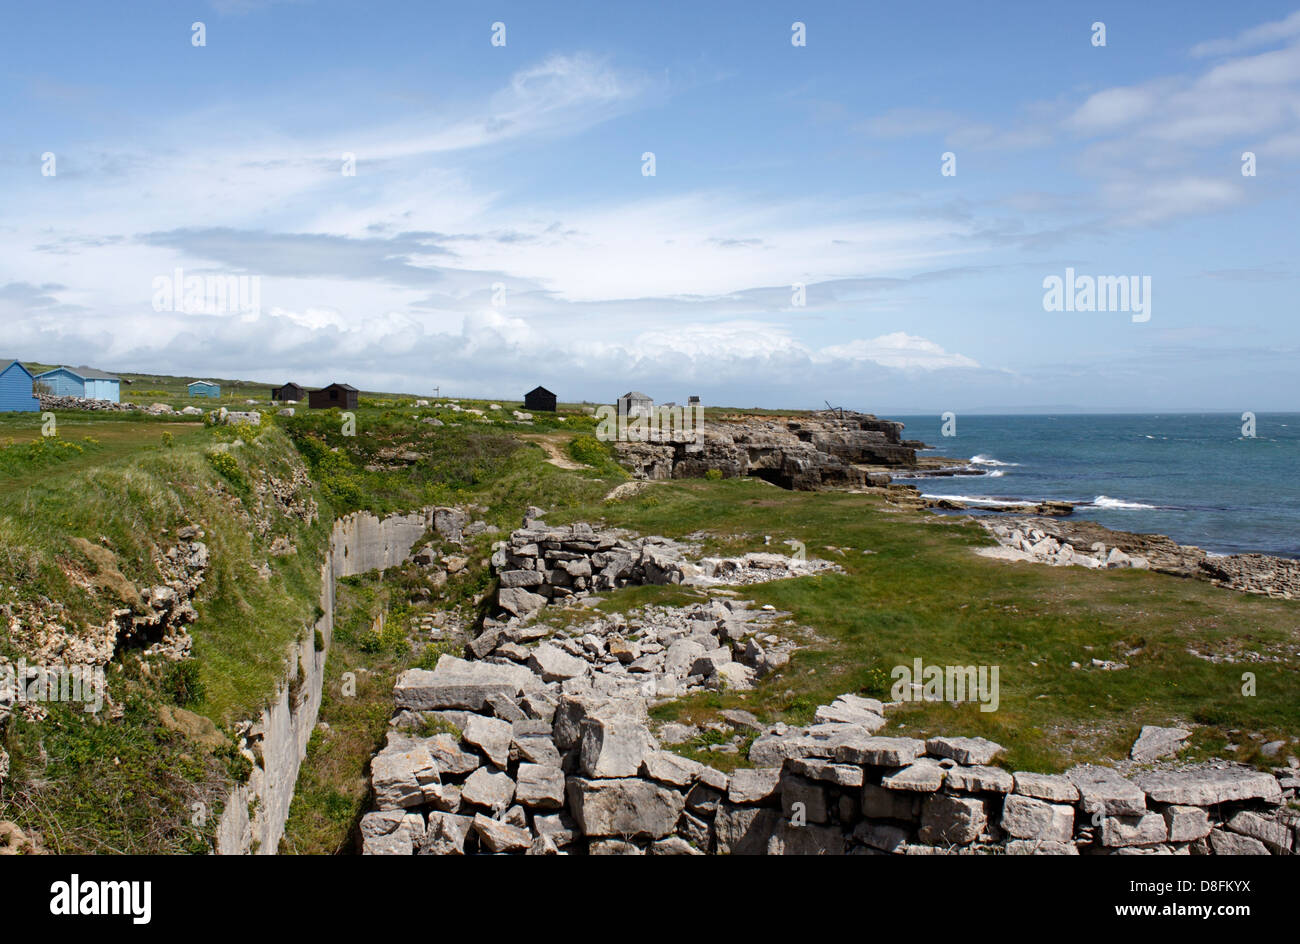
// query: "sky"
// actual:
[[458, 197]]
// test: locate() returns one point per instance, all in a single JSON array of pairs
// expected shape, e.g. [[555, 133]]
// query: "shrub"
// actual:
[[183, 685], [227, 467], [589, 451]]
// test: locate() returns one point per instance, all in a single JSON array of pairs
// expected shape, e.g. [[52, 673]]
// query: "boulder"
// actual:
[[446, 834], [399, 774], [626, 807], [489, 788], [496, 836], [540, 786], [613, 747]]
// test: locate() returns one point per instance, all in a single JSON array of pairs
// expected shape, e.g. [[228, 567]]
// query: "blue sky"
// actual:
[[520, 167]]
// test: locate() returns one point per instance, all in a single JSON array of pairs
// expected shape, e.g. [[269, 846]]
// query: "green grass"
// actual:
[[922, 593]]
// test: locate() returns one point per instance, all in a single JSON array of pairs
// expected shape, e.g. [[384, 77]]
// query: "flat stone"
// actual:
[[806, 840], [980, 780], [1208, 786], [1103, 790], [519, 602], [455, 683], [535, 749], [390, 832], [572, 710], [1026, 818], [670, 768], [1053, 788], [976, 751], [880, 751], [540, 786], [840, 775], [1154, 742], [753, 785], [673, 845], [924, 776], [521, 578], [451, 759], [1040, 847], [553, 664], [853, 709]]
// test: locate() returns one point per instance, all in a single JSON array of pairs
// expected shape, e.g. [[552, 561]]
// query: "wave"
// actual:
[[1118, 504], [989, 460], [983, 500], [996, 474]]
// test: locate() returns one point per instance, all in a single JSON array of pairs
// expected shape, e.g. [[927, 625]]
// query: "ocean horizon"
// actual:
[[1196, 477]]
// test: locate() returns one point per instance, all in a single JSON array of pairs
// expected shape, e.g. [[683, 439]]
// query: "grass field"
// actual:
[[923, 593]]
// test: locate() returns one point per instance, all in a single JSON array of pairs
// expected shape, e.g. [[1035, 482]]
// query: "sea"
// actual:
[[1196, 477]]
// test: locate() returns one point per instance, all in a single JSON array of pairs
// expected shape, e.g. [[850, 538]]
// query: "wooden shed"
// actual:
[[205, 388], [16, 389], [343, 396], [539, 398], [290, 391], [84, 382]]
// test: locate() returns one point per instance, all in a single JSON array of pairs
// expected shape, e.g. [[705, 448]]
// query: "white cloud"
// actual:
[[899, 350]]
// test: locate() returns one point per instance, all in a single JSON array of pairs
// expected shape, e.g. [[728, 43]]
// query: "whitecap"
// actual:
[[1118, 504]]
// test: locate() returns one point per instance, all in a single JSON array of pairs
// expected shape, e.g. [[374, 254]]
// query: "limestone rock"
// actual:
[[1156, 742], [624, 807], [1026, 818], [976, 751]]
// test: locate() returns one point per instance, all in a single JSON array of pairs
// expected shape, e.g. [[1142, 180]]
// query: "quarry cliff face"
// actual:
[[825, 449], [256, 811]]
